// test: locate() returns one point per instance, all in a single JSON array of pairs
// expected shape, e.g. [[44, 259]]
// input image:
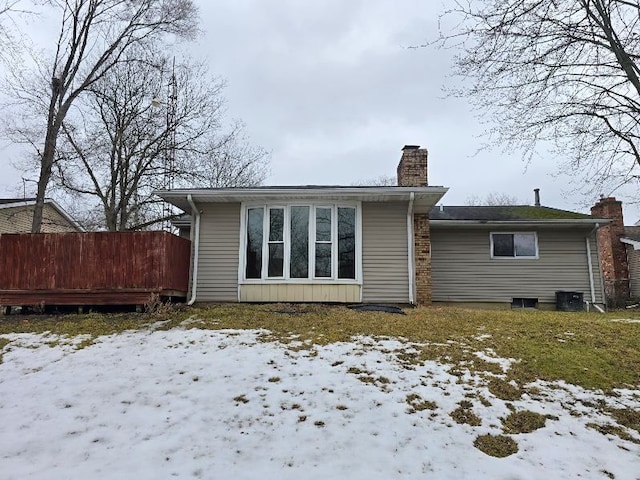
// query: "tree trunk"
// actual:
[[46, 165]]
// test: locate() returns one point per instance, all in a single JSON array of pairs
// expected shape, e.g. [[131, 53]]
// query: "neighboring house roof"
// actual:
[[423, 197], [632, 237], [509, 214], [30, 202]]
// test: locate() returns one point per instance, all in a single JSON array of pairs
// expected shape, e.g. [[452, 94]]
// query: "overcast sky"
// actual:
[[332, 90]]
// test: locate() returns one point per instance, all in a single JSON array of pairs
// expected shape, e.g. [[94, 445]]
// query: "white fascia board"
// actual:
[[634, 243], [429, 195], [569, 222]]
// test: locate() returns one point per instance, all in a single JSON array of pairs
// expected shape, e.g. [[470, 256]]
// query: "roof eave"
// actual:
[[522, 222], [425, 197]]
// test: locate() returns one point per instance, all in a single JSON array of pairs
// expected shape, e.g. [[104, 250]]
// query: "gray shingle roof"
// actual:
[[503, 213], [4, 201], [632, 233]]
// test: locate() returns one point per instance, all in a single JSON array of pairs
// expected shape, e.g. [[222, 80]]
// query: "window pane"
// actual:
[[346, 243], [525, 244], [323, 224], [503, 245], [299, 261], [276, 259], [254, 243], [323, 259], [276, 224]]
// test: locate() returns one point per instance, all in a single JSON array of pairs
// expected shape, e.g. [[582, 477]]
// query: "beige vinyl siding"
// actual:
[[463, 270], [219, 251], [300, 293], [385, 277], [19, 219], [633, 257]]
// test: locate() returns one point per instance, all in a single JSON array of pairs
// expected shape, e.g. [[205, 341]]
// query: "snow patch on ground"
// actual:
[[625, 320], [226, 404]]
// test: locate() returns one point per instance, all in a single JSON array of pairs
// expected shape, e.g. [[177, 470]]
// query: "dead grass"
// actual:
[[418, 404], [3, 343], [504, 390], [615, 430], [628, 417], [585, 349], [496, 445], [524, 421], [464, 414]]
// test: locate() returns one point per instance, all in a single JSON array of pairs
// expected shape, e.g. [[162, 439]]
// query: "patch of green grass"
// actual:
[[599, 354], [523, 421], [241, 399], [496, 445], [274, 379]]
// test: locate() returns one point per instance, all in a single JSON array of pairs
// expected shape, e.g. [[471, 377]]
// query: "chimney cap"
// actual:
[[411, 147]]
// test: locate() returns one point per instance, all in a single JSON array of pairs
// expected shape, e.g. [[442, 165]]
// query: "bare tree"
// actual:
[[145, 125], [380, 181], [10, 36], [92, 39], [559, 72], [493, 200]]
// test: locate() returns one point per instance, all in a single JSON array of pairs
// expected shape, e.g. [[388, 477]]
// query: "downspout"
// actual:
[[590, 264], [195, 238], [410, 249]]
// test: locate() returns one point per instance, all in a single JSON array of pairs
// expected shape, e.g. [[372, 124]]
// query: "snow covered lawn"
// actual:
[[191, 403]]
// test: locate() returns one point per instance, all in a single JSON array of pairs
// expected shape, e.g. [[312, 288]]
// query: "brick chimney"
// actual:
[[613, 254], [412, 172], [412, 169]]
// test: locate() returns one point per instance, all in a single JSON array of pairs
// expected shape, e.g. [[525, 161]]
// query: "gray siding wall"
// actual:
[[633, 257], [464, 272], [384, 252], [219, 253]]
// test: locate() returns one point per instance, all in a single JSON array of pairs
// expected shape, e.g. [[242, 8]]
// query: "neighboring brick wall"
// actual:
[[613, 255], [412, 172], [422, 238]]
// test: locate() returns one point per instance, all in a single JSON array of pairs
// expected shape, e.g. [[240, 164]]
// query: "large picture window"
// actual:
[[298, 242], [514, 245]]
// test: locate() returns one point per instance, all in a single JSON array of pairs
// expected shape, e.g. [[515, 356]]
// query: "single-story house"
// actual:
[[16, 216], [388, 244]]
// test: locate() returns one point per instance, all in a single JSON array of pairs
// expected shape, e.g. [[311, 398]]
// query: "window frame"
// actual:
[[514, 256], [311, 279]]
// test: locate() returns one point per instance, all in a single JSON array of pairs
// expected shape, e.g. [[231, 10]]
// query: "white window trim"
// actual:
[[312, 279], [519, 257]]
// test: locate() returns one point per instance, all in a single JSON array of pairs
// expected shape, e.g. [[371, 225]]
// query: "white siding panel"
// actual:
[[633, 257], [384, 253], [463, 270], [219, 253], [300, 293]]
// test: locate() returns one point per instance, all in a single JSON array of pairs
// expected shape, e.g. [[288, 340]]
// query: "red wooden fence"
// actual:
[[92, 268]]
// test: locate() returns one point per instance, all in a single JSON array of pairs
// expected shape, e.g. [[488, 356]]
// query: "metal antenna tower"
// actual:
[[170, 143]]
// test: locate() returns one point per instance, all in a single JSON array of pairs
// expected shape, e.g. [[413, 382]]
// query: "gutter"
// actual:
[[521, 223], [410, 249], [195, 238], [590, 264]]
